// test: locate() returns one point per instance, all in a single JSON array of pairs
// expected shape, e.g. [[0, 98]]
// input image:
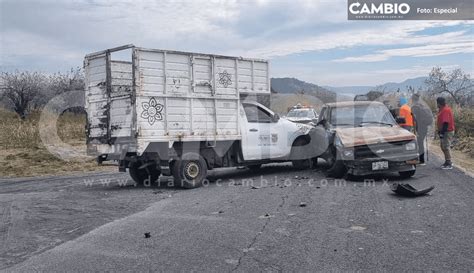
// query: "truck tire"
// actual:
[[255, 167], [143, 176], [300, 164], [337, 169], [190, 171], [407, 174]]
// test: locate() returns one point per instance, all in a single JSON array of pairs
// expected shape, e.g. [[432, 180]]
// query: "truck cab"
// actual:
[[265, 135]]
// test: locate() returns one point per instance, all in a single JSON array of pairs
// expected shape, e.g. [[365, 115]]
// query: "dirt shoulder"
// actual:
[[461, 160]]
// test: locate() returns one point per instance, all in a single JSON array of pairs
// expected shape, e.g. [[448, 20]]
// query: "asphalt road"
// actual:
[[293, 221]]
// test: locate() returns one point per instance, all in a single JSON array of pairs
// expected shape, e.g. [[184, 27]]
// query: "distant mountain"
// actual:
[[350, 90], [295, 86], [416, 83], [329, 93]]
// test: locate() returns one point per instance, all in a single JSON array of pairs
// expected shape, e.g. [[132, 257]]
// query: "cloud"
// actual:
[[436, 45], [54, 35], [385, 34]]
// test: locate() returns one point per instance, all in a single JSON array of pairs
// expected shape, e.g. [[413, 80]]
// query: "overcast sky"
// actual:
[[309, 40]]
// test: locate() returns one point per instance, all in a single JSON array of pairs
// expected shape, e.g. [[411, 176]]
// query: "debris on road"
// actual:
[[409, 191], [245, 250], [302, 204], [147, 235], [358, 228], [266, 215], [255, 188], [218, 212]]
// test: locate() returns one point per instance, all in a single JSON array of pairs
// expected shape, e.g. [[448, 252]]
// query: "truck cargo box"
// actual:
[[166, 96]]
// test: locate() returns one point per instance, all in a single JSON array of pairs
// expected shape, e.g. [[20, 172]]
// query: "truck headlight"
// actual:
[[410, 146], [348, 153]]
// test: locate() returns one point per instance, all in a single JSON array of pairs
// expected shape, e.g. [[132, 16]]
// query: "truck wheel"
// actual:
[[407, 174], [143, 176], [255, 167], [300, 164], [337, 169], [190, 171]]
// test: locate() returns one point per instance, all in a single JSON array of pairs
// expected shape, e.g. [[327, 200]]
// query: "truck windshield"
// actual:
[[361, 115]]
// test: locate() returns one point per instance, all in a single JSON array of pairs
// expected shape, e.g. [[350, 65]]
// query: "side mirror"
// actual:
[[400, 120], [275, 118], [322, 122]]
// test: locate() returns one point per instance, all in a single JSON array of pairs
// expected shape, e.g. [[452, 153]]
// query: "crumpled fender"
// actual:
[[317, 145], [409, 191]]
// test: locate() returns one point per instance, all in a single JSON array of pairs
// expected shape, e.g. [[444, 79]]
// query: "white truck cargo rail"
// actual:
[[165, 95]]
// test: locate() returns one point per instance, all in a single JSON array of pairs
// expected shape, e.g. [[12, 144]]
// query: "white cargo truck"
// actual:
[[181, 114]]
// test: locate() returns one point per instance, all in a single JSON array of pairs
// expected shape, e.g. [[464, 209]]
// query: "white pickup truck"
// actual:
[[181, 114]]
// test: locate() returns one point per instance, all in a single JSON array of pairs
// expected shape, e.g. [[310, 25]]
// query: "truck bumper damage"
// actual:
[[381, 165]]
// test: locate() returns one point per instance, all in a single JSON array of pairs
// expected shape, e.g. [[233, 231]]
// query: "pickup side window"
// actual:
[[256, 115]]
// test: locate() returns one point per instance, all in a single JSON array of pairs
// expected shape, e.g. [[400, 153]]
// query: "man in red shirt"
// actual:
[[445, 131]]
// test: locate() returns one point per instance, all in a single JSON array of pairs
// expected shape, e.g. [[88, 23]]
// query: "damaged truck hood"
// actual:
[[355, 136]]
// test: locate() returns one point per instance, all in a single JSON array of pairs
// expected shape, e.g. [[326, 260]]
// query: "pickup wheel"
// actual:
[[190, 171], [143, 175], [407, 174], [337, 169]]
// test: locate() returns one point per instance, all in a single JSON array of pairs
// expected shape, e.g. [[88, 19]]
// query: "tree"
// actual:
[[21, 89], [70, 81], [456, 84]]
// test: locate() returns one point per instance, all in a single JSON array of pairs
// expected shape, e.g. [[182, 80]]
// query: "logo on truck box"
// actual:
[[152, 111]]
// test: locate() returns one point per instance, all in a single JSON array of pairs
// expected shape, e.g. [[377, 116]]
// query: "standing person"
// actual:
[[423, 119], [405, 111], [445, 131]]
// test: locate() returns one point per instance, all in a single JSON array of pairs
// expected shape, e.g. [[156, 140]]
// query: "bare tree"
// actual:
[[455, 83], [69, 81], [59, 83], [21, 89]]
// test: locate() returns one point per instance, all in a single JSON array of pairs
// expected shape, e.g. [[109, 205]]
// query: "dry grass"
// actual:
[[22, 152]]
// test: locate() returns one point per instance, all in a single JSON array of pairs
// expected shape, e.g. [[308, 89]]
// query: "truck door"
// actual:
[[108, 100], [257, 141]]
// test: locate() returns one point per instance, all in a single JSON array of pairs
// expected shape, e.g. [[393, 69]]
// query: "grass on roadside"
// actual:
[[22, 152]]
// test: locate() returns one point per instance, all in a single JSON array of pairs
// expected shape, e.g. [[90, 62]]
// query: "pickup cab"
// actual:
[[184, 113], [362, 137]]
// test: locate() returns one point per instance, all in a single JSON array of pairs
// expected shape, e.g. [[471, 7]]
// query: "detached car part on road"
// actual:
[[363, 138], [181, 114]]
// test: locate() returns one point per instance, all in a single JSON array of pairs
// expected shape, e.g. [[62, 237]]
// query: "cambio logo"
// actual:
[[382, 8]]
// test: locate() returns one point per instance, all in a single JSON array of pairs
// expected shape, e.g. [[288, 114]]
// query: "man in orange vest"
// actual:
[[405, 111]]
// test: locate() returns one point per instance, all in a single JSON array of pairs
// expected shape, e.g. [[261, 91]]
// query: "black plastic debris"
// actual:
[[147, 235], [409, 191], [302, 204]]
